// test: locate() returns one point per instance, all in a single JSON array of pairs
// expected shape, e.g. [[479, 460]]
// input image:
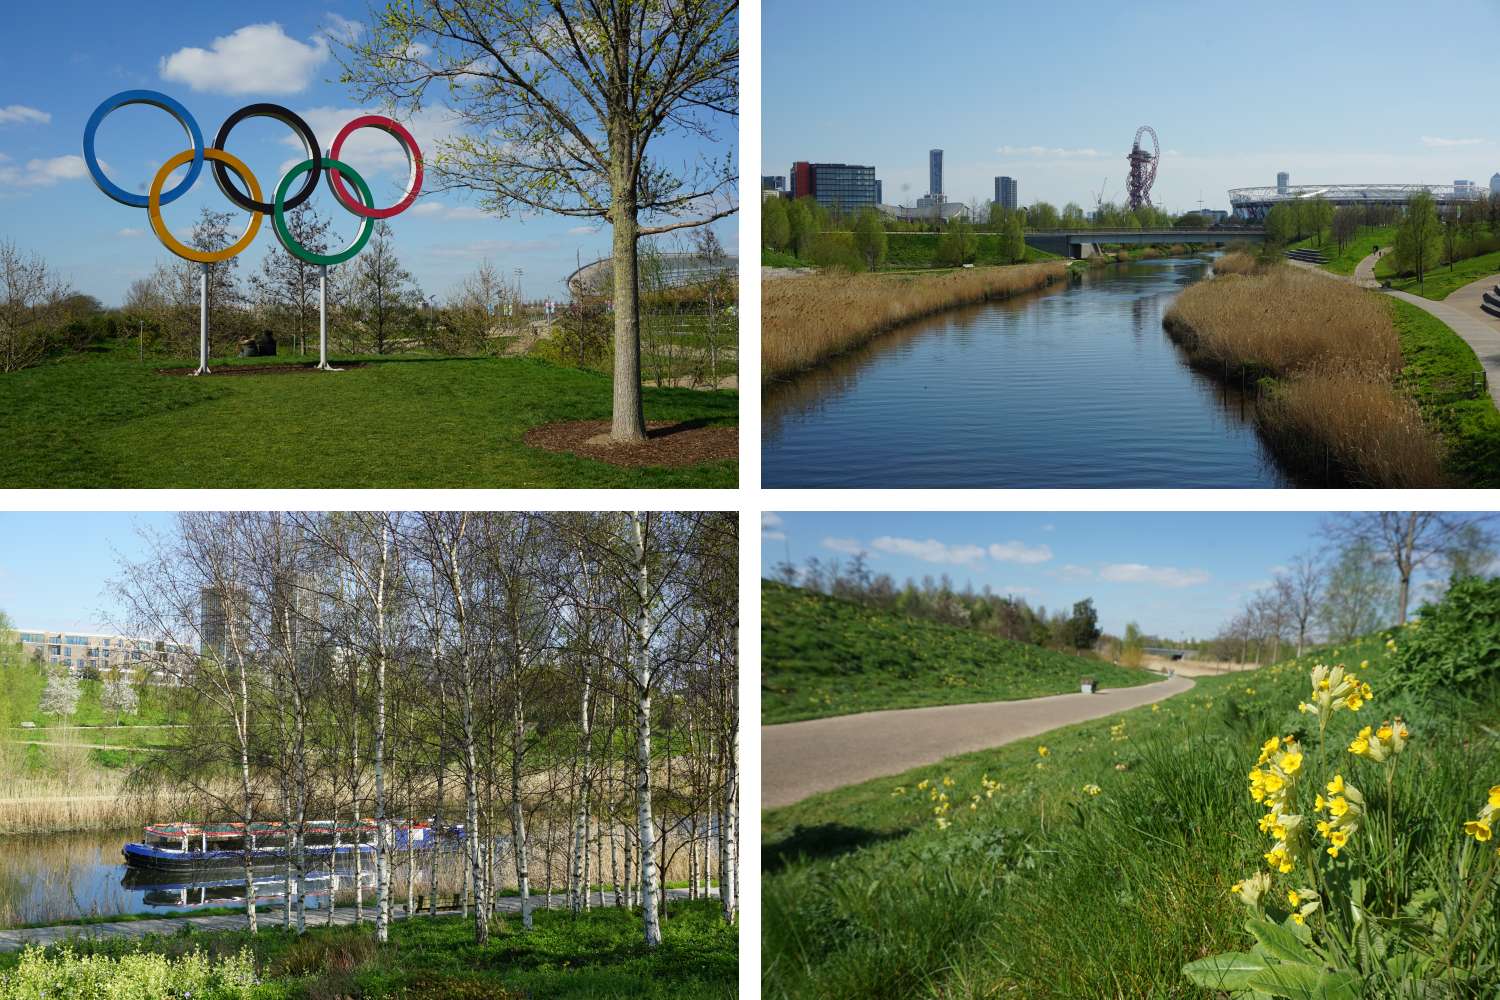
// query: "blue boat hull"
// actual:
[[177, 860]]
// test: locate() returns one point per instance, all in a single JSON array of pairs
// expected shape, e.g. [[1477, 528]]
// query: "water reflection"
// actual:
[[1075, 386]]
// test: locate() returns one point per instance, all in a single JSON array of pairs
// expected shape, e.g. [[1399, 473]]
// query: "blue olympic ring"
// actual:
[[158, 100]]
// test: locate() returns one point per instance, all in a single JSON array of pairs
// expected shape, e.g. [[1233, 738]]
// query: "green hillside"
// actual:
[[821, 656]]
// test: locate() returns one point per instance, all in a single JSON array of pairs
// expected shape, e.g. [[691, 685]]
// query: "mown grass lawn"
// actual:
[[598, 955], [822, 656], [1439, 375], [1355, 250], [106, 420], [1044, 890], [1441, 280]]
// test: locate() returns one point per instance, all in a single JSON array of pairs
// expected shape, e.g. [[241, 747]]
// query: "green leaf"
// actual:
[[1229, 971], [1289, 979], [1279, 942]]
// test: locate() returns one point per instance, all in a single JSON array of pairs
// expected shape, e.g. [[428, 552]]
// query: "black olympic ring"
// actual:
[[287, 117]]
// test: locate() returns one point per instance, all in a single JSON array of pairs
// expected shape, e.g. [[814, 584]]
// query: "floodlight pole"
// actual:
[[203, 325], [323, 364]]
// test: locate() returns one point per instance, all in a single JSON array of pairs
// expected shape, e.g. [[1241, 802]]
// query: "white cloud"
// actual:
[[583, 230], [341, 29], [1020, 552], [1163, 576], [425, 207], [469, 212], [931, 550], [848, 546], [131, 232], [770, 527], [1435, 142], [1050, 152], [46, 172], [771, 519], [1049, 527], [20, 114], [258, 58]]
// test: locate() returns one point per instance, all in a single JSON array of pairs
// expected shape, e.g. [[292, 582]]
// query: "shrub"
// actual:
[[140, 974], [834, 250], [1455, 642], [342, 952]]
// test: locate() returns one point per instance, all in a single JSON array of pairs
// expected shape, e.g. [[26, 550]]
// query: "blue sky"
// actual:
[[55, 567], [1051, 94], [1180, 575], [60, 59]]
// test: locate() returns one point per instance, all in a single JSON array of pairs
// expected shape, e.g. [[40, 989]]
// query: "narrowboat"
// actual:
[[177, 847]]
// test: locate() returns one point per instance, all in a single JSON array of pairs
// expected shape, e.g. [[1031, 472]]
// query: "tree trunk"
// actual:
[[629, 422], [581, 835], [643, 681], [517, 813], [382, 823]]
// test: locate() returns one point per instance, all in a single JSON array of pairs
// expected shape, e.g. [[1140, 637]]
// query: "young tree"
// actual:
[[1417, 237], [60, 696], [1357, 598], [1301, 590], [289, 284], [384, 292], [30, 303], [1345, 225], [1013, 249], [118, 695], [1408, 539], [869, 239], [565, 101], [803, 223], [775, 229]]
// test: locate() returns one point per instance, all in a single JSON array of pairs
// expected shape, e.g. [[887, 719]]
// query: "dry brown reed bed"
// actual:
[[808, 318], [1332, 413], [54, 805]]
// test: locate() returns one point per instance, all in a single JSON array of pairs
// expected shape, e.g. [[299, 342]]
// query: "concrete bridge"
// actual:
[[1080, 243]]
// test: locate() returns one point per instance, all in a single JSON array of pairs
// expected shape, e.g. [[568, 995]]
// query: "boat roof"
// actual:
[[224, 831]]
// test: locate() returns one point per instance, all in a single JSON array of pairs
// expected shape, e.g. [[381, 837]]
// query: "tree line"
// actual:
[[1005, 616], [1364, 578], [498, 672]]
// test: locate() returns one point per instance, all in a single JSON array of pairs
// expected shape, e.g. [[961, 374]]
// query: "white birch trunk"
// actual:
[[643, 682]]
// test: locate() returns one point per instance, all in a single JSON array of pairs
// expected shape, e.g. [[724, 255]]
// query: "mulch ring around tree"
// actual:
[[667, 444], [216, 370]]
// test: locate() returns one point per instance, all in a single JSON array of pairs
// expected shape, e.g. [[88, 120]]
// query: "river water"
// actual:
[[1074, 386]]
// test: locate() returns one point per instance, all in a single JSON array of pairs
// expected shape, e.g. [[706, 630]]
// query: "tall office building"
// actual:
[[935, 171], [1495, 184], [1282, 179], [772, 183], [839, 187], [879, 193], [1005, 192]]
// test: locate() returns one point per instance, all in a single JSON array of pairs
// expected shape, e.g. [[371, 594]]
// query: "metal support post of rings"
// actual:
[[314, 166]]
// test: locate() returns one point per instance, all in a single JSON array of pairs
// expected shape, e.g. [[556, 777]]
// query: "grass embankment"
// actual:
[[1044, 890], [822, 656], [108, 421], [1441, 280], [1355, 250], [807, 318], [1326, 358], [599, 954], [908, 250]]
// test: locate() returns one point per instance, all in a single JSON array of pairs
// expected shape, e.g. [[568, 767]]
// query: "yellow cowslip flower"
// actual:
[[944, 822], [1336, 785], [1495, 796], [1291, 897], [900, 790], [1364, 664], [1479, 829], [1290, 762], [1272, 782], [1279, 858], [1323, 827], [1304, 707], [922, 784], [1234, 889], [1337, 839], [1042, 751], [1354, 701], [1251, 889], [1092, 789], [1365, 692], [947, 781], [1267, 821], [1338, 805], [1298, 919], [1361, 743], [1155, 707], [1319, 802]]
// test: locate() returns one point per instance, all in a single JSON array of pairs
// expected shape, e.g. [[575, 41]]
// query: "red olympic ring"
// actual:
[[413, 158]]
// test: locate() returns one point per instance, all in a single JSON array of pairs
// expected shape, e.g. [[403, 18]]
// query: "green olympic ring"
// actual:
[[278, 213]]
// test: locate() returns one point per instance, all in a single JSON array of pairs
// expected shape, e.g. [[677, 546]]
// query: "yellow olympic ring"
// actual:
[[153, 207]]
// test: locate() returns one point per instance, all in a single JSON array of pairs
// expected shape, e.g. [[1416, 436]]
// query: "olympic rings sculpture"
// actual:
[[362, 203]]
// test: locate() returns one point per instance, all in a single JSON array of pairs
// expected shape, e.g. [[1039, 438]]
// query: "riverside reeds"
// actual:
[[1333, 414], [808, 318]]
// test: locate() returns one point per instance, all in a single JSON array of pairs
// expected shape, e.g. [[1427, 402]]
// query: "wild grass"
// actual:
[[1235, 262], [1361, 429], [1327, 358], [1046, 891], [807, 318], [597, 955], [82, 798], [823, 656], [1283, 322]]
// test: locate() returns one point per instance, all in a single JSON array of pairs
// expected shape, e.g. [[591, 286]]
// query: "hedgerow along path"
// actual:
[[800, 759], [108, 420]]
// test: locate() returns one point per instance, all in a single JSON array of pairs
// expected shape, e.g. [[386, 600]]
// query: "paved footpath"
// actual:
[[1481, 331], [15, 940], [798, 759], [1364, 271]]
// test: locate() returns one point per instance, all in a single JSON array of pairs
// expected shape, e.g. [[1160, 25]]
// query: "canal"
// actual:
[[1075, 386]]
